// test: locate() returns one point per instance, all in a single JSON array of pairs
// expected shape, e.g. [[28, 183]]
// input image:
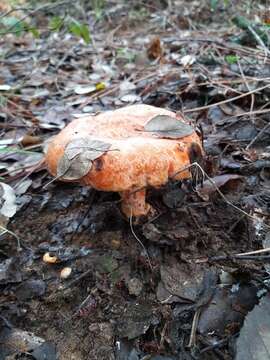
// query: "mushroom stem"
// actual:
[[133, 203]]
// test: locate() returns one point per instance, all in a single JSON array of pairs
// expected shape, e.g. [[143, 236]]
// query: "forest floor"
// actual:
[[186, 292]]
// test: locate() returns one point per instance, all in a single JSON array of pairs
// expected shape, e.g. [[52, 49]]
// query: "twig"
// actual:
[[192, 339], [92, 196], [255, 112], [259, 40], [217, 344], [237, 257], [21, 168], [6, 322], [225, 46], [247, 85], [251, 255], [195, 164], [227, 100], [162, 335], [261, 251], [80, 277], [235, 224], [82, 304], [258, 135], [139, 241], [6, 231], [32, 170]]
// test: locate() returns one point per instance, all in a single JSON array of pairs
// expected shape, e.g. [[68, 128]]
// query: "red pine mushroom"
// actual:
[[126, 150]]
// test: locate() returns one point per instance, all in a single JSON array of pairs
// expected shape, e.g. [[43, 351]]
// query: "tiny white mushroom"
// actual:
[[65, 273], [47, 258]]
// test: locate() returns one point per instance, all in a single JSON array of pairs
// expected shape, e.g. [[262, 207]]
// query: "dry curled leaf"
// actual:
[[231, 109], [8, 205], [94, 148], [211, 186], [28, 140], [187, 60], [155, 50], [82, 90], [5, 87], [79, 156], [168, 127], [73, 169]]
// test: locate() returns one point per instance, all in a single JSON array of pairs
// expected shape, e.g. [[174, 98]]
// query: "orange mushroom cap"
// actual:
[[134, 159]]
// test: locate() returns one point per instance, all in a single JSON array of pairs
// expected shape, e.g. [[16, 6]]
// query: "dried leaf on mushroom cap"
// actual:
[[95, 148], [78, 158], [73, 169], [168, 127]]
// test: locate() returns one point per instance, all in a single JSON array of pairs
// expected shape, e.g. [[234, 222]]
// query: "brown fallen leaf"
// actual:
[[155, 50], [231, 109], [209, 187], [30, 140]]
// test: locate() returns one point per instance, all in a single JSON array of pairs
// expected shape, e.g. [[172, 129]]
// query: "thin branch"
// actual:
[[192, 339], [6, 231], [260, 133], [260, 251], [227, 100], [195, 164], [260, 42], [139, 241], [247, 85]]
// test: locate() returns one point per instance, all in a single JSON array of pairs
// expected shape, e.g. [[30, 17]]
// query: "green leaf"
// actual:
[[231, 59], [56, 23], [75, 28], [241, 22], [34, 31], [85, 34], [214, 4], [80, 30]]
